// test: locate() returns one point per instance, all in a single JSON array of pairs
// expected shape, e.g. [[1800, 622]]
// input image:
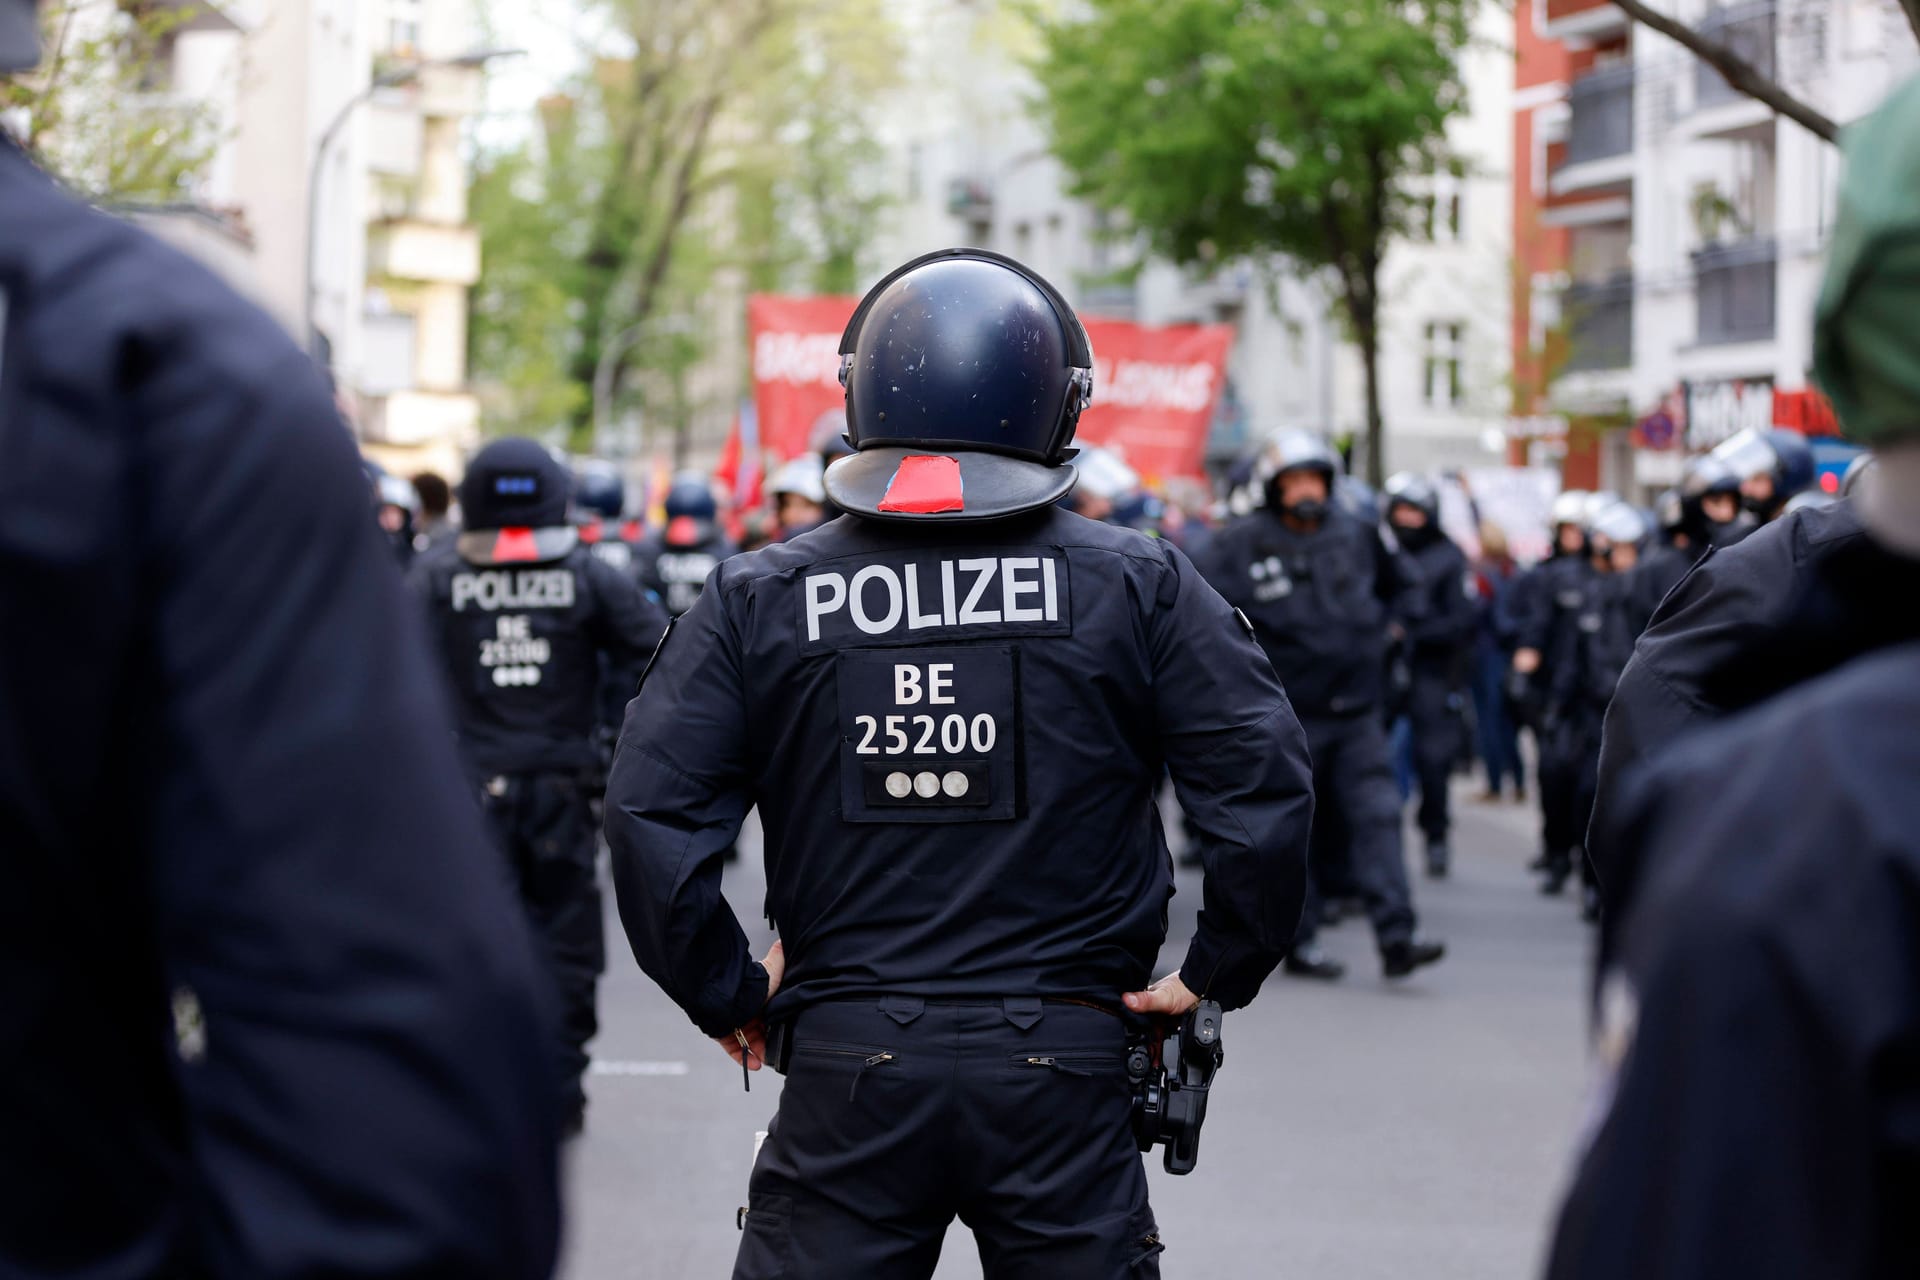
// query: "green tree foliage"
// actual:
[[99, 110], [726, 142], [1222, 129]]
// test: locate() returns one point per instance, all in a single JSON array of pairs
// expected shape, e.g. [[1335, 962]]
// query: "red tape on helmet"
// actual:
[[925, 484]]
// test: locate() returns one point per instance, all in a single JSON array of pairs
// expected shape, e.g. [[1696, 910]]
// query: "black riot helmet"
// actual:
[[19, 35], [599, 487], [1705, 476], [513, 501], [1416, 491], [966, 373]]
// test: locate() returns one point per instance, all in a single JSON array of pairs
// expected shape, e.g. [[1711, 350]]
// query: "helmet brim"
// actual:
[[489, 547], [992, 485]]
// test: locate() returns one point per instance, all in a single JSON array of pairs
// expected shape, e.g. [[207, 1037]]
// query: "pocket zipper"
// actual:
[[1070, 1064], [868, 1058]]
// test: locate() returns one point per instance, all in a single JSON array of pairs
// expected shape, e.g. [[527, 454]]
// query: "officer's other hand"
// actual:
[[1526, 661], [755, 1032], [1168, 996]]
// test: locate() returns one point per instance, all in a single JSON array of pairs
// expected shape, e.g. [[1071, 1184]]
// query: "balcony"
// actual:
[[1599, 316], [1582, 19], [970, 199], [1748, 30], [430, 252], [1599, 148], [1733, 291]]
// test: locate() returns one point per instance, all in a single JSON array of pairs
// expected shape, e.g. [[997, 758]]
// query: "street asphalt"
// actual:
[[1358, 1129]]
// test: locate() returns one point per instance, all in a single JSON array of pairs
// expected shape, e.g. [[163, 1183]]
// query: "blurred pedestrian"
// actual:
[[528, 623], [1495, 635], [434, 526], [799, 493], [270, 1013]]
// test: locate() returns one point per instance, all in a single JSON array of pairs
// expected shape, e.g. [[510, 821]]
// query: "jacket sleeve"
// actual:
[[1451, 613], [1240, 769], [1397, 581], [1745, 1035], [679, 790], [362, 1042]]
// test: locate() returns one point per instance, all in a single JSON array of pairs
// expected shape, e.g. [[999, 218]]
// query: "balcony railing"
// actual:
[[1599, 324], [1747, 29], [1601, 107], [1733, 289]]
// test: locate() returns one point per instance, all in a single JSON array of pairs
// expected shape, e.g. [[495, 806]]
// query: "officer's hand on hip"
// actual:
[[1526, 661], [752, 1038], [1169, 996]]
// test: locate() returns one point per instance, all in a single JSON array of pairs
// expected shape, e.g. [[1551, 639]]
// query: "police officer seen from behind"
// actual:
[[954, 706], [675, 562], [1317, 584], [269, 1014], [600, 500], [526, 619], [1439, 638]]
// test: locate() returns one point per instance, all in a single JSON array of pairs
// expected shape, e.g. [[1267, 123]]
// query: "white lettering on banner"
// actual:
[[1719, 410], [798, 358], [1141, 384], [520, 589], [966, 587]]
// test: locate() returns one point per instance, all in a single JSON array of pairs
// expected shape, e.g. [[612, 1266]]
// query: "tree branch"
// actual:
[[1738, 72]]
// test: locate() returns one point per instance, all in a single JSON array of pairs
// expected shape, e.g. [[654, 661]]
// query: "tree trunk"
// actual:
[[1739, 73], [1366, 328]]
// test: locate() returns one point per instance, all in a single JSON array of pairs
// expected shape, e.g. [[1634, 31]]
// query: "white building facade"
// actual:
[[1699, 219]]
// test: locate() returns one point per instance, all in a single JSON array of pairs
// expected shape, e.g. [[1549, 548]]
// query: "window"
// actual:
[[1436, 210], [1445, 351]]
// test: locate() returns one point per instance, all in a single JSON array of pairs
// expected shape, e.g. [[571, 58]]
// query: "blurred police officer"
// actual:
[[1598, 641], [675, 562], [953, 707], [1317, 584], [268, 1010], [1550, 600], [1758, 1010], [1810, 591], [1438, 638], [434, 525], [599, 502], [528, 622], [1773, 465]]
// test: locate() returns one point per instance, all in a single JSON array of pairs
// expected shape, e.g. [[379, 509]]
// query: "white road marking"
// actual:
[[616, 1067]]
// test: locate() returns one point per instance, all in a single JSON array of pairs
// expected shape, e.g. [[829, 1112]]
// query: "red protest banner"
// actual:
[[1154, 392], [796, 365], [1154, 389]]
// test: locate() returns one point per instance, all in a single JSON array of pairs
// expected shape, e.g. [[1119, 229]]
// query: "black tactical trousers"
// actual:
[[1436, 744], [1569, 765], [900, 1114], [544, 824], [1353, 785]]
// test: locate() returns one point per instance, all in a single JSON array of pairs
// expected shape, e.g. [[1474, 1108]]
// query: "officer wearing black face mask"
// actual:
[[1772, 465], [675, 562], [528, 622], [268, 1012], [954, 706], [1439, 637], [1318, 585]]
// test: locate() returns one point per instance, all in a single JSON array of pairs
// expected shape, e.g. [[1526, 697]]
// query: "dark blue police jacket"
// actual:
[[269, 1011], [955, 735]]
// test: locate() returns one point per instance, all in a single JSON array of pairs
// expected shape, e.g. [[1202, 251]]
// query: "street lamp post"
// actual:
[[404, 74]]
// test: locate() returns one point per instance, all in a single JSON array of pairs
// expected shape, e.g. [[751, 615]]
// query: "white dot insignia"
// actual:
[[898, 785], [954, 784], [926, 786]]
